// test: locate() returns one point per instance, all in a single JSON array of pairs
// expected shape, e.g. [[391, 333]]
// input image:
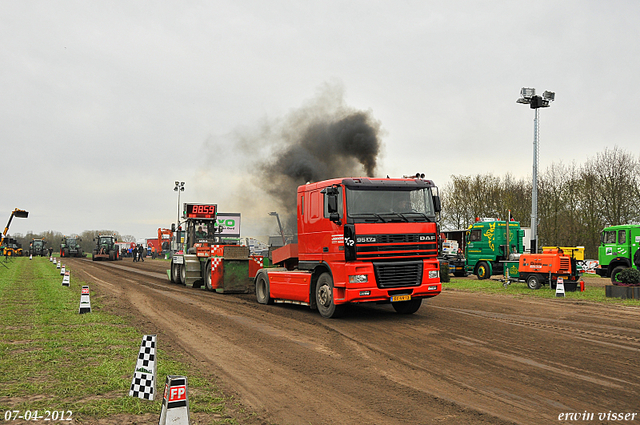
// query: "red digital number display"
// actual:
[[201, 211]]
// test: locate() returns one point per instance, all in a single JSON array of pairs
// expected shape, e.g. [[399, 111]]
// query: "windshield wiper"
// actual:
[[363, 215], [398, 214], [421, 214]]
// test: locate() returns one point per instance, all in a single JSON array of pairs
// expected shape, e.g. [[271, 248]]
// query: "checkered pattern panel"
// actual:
[[215, 262], [144, 377], [142, 386]]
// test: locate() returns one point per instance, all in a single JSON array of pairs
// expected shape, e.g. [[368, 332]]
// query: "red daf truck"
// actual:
[[359, 240]]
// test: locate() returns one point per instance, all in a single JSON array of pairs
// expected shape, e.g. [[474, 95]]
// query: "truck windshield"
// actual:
[[609, 236], [389, 205], [105, 241]]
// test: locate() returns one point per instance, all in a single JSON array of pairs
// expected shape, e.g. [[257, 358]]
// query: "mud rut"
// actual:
[[462, 358]]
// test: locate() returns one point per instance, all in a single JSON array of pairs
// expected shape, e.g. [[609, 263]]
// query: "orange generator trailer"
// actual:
[[545, 269]]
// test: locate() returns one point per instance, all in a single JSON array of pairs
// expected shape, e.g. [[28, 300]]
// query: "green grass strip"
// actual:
[[52, 358], [519, 289]]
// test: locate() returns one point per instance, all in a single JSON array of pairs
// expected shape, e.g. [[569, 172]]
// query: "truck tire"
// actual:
[[614, 274], [407, 307], [262, 289], [183, 275], [534, 282], [175, 273], [207, 276], [482, 271], [324, 298]]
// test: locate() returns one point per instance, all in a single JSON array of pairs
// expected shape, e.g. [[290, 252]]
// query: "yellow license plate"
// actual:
[[400, 298]]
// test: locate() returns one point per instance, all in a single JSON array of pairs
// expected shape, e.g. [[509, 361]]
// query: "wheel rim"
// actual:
[[324, 296]]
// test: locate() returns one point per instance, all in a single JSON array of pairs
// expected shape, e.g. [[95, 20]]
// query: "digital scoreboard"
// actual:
[[200, 211]]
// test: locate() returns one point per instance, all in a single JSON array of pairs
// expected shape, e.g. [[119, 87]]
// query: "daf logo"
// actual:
[[427, 238], [366, 239]]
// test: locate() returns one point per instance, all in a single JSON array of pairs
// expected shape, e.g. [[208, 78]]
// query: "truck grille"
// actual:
[[371, 247], [398, 274]]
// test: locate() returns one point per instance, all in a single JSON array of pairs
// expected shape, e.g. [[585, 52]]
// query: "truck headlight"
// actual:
[[433, 274], [358, 278]]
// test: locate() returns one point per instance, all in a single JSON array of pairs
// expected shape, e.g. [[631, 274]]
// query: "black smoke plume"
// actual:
[[319, 143]]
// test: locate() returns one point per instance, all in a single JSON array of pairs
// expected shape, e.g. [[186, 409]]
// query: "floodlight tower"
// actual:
[[528, 96], [179, 188]]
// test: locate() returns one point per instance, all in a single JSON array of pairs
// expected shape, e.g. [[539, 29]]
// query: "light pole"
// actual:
[[528, 97], [179, 188]]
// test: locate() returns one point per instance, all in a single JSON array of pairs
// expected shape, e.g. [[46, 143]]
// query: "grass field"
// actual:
[[53, 358], [591, 293]]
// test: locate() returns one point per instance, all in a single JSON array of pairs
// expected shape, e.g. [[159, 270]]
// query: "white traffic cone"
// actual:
[[143, 384], [62, 270], [175, 402], [560, 287], [58, 264], [85, 302], [66, 280]]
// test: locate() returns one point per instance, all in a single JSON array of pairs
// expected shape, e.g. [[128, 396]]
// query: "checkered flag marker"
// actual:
[[175, 402], [144, 377], [66, 280]]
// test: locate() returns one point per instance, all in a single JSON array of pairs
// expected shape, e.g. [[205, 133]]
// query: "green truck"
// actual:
[[487, 246], [618, 250]]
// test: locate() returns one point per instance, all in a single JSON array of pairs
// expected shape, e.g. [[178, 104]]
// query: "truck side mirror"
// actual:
[[436, 203]]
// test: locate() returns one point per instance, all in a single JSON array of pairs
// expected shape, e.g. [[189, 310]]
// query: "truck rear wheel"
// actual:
[[175, 273], [483, 270], [262, 289], [407, 307], [614, 274], [534, 282], [324, 298], [183, 275]]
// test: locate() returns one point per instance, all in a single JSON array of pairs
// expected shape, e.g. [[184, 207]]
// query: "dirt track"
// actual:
[[462, 358]]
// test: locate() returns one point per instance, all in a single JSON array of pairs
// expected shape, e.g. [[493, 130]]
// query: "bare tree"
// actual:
[[617, 178]]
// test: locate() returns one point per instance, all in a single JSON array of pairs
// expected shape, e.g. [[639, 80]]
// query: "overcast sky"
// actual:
[[105, 104]]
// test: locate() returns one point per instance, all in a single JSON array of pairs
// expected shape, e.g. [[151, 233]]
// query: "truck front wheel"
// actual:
[[482, 271], [614, 274], [324, 298], [262, 289], [407, 307], [533, 282]]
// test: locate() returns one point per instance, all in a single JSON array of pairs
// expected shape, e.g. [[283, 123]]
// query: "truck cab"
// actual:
[[359, 240], [487, 250], [619, 249]]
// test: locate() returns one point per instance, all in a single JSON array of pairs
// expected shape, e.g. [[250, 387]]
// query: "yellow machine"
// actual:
[[7, 248]]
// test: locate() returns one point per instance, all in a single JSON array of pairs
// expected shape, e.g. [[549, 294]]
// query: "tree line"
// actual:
[[575, 202], [54, 239]]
